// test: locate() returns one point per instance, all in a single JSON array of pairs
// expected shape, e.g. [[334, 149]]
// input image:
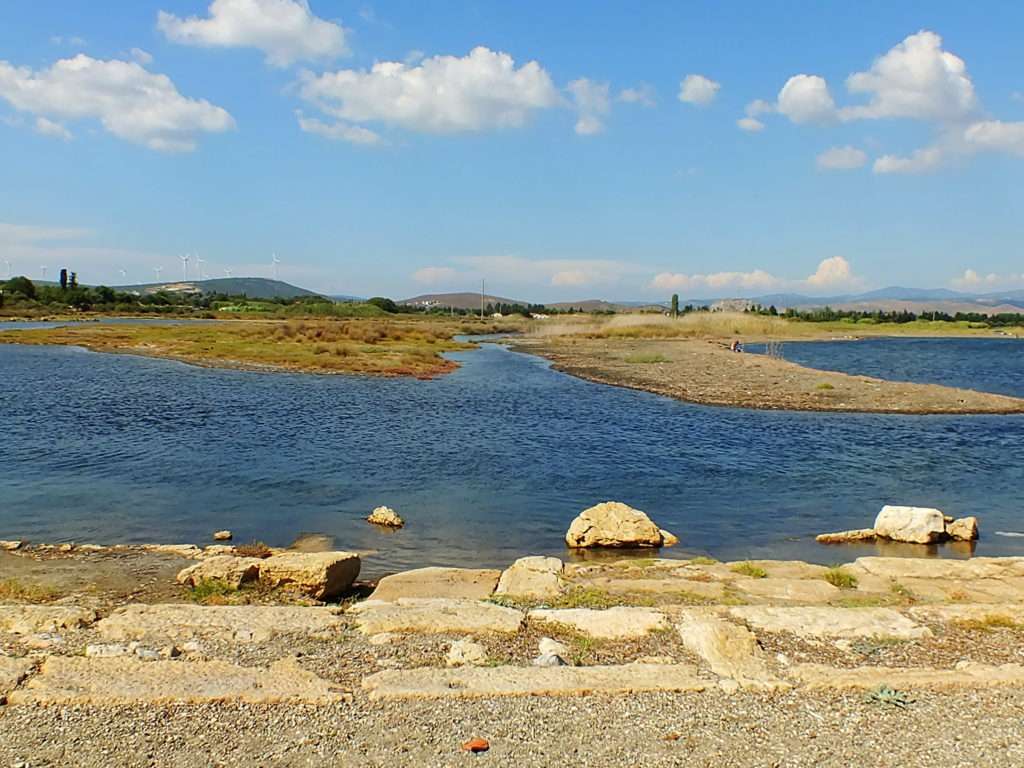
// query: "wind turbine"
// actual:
[[274, 261], [124, 273], [184, 266], [199, 266], [227, 272], [158, 270], [8, 263], [43, 270]]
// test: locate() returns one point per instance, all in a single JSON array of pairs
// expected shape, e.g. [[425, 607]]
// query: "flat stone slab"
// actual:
[[814, 621], [620, 623], [729, 649], [967, 675], [31, 619], [789, 590], [69, 680], [487, 682], [669, 587], [966, 590], [12, 672], [435, 616], [244, 623], [941, 568], [788, 569], [969, 612], [451, 583]]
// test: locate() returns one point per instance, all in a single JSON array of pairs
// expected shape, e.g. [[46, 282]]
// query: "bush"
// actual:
[[383, 303], [837, 577], [21, 285]]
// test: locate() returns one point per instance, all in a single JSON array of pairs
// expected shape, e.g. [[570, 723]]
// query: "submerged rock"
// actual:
[[844, 537], [222, 536], [916, 525], [613, 524], [385, 517]]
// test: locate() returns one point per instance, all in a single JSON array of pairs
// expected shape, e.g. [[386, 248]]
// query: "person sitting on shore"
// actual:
[[736, 346]]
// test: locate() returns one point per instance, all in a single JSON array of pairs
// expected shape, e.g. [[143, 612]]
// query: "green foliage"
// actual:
[[12, 589], [211, 591], [824, 385], [749, 569], [837, 577], [21, 285], [383, 303], [703, 560], [886, 695], [647, 358]]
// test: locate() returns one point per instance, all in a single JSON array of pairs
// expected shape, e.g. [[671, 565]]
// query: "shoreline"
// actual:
[[705, 372]]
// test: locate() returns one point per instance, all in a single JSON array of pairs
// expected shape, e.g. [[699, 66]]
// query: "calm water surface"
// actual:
[[486, 464]]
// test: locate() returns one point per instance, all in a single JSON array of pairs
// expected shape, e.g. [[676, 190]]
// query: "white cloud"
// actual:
[[435, 275], [339, 131], [915, 79], [806, 99], [285, 30], [14, 234], [141, 56], [919, 161], [971, 280], [643, 94], [841, 159], [699, 90], [443, 94], [831, 273], [995, 135], [593, 103], [750, 124], [130, 102], [759, 107], [50, 128]]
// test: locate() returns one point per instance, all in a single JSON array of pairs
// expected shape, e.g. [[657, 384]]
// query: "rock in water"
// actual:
[[916, 525], [222, 536], [842, 537], [386, 517], [320, 575], [964, 529], [613, 524]]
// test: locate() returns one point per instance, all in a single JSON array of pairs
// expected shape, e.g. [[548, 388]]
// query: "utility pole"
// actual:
[[483, 288]]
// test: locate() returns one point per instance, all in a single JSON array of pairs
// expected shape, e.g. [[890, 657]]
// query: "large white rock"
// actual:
[[435, 582], [536, 577], [231, 570], [386, 517], [917, 525], [964, 529], [613, 524], [321, 575]]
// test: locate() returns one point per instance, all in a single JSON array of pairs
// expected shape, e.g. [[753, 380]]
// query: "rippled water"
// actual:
[[991, 365], [486, 464]]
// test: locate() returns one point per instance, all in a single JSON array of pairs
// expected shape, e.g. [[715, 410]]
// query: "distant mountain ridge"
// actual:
[[253, 287]]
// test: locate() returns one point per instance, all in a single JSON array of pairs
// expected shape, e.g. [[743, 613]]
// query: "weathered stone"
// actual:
[[536, 577], [966, 590], [106, 650], [65, 680], [450, 583], [12, 672], [385, 517], [1004, 614], [465, 652], [435, 616], [231, 570], [845, 537], [941, 568], [188, 551], [790, 590], [964, 529], [222, 535], [967, 675], [383, 638], [30, 619], [241, 623], [613, 524], [321, 575], [916, 525], [617, 623], [216, 550], [552, 653], [485, 682], [11, 545], [815, 621], [678, 588], [729, 649], [668, 539]]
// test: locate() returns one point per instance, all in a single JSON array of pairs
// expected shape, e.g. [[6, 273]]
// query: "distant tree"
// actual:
[[384, 303], [773, 311], [74, 280], [675, 305], [63, 279], [21, 285]]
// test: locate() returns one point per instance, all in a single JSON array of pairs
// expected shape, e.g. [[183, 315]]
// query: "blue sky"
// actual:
[[560, 150]]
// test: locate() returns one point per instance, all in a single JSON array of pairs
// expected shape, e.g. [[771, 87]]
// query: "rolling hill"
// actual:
[[459, 300], [253, 287]]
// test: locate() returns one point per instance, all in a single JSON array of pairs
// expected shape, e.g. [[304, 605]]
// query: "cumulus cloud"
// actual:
[[442, 94], [750, 124], [995, 135], [339, 131], [919, 161], [806, 99], [142, 57], [593, 103], [643, 94], [285, 30], [841, 159], [831, 273], [129, 101], [53, 129], [972, 280], [698, 90]]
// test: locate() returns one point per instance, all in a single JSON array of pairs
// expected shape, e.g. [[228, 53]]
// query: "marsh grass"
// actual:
[[17, 591], [990, 623], [645, 358], [749, 569]]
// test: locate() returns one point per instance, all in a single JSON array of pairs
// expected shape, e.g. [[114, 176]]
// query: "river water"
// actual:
[[486, 464]]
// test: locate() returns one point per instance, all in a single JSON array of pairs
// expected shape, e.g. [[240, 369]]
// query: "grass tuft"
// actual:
[[12, 589], [253, 549], [837, 577], [749, 569], [646, 358]]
